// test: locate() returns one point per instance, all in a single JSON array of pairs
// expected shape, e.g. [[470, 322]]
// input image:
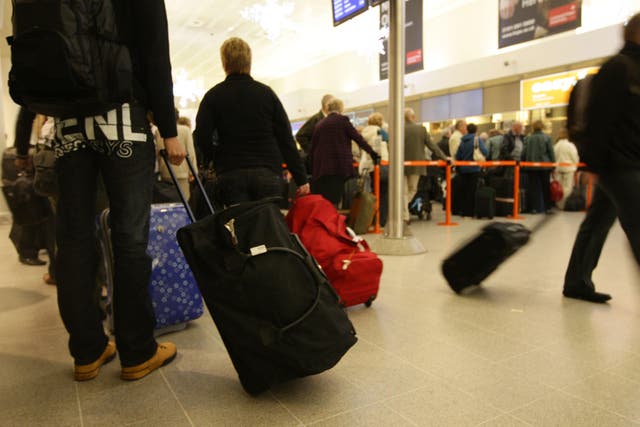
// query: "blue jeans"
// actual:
[[615, 196], [128, 179], [246, 185]]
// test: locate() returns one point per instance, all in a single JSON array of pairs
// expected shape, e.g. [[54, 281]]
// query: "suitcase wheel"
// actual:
[[369, 301]]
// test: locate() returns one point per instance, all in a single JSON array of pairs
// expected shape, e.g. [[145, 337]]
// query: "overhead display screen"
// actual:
[[347, 9]]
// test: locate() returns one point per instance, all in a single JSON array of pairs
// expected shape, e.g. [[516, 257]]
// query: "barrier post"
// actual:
[[376, 191], [448, 195], [516, 192]]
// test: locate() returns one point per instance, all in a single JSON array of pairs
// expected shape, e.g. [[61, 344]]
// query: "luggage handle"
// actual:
[[165, 157]]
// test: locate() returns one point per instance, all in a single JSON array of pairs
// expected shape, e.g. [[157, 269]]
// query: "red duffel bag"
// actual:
[[353, 270]]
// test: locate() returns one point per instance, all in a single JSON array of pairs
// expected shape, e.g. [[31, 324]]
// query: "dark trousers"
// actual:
[[467, 193], [128, 181], [330, 187], [538, 190], [245, 185], [615, 196]]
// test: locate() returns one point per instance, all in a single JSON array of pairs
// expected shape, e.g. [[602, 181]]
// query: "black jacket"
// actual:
[[143, 27], [508, 145], [614, 113], [305, 133], [250, 127]]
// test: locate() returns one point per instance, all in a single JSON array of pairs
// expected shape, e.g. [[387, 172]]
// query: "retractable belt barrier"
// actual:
[[490, 163]]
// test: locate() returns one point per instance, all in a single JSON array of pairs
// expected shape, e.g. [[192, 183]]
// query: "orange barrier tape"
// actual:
[[489, 163]]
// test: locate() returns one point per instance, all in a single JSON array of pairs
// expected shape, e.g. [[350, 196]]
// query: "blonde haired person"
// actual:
[[376, 136], [565, 152], [242, 127], [331, 153]]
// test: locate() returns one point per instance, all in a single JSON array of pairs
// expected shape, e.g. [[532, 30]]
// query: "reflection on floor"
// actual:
[[515, 353]]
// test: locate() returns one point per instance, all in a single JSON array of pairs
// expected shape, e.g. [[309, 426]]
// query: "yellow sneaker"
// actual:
[[165, 353], [91, 370]]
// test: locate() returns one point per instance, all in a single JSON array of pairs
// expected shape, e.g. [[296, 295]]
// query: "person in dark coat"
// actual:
[[416, 139], [241, 125], [331, 153], [305, 133], [614, 126], [469, 175], [538, 148]]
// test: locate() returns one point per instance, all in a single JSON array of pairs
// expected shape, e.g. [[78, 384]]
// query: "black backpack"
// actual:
[[68, 57], [578, 124]]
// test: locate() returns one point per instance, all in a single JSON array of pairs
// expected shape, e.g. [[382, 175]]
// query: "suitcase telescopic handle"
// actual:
[[185, 202]]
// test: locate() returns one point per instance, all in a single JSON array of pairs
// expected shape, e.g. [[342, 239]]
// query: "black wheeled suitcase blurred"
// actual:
[[485, 203], [473, 262], [504, 194]]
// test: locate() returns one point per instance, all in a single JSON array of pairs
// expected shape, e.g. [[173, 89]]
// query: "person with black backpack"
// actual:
[[98, 66], [610, 145]]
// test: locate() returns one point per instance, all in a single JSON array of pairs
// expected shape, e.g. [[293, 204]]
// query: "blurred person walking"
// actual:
[[613, 128]]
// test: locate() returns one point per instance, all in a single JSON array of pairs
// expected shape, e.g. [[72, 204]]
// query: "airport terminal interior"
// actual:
[[511, 352]]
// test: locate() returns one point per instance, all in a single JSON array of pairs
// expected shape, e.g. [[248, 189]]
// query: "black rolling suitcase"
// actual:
[[276, 312], [485, 202], [473, 262]]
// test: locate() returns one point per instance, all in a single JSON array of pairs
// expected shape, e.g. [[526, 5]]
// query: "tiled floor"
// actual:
[[515, 353]]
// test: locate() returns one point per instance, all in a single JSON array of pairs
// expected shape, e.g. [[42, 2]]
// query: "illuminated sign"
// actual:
[[550, 91]]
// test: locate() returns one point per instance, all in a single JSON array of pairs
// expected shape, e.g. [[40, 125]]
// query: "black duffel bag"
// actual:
[[27, 207], [275, 310]]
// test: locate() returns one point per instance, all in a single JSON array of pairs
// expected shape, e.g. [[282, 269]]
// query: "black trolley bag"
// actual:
[[475, 260], [275, 310]]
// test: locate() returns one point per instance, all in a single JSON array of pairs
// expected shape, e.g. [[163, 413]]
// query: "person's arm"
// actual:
[[304, 134], [205, 127], [483, 148], [24, 127], [149, 36], [354, 135], [191, 151], [151, 46], [552, 154], [460, 152], [573, 150], [435, 150], [286, 144]]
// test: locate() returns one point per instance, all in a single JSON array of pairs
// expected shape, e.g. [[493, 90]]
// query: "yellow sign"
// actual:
[[550, 91]]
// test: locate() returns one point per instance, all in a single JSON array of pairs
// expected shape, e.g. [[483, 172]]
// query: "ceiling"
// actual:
[[197, 28]]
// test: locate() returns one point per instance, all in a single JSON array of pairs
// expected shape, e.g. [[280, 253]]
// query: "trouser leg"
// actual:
[[77, 257], [589, 241]]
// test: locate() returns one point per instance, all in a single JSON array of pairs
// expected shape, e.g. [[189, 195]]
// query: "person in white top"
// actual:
[[565, 152], [456, 137], [375, 136], [183, 174]]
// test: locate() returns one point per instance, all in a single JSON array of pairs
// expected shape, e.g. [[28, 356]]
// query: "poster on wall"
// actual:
[[525, 20], [413, 38]]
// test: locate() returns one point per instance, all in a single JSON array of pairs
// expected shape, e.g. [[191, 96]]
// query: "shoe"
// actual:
[[32, 261], [586, 294], [48, 279], [91, 370], [165, 353]]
